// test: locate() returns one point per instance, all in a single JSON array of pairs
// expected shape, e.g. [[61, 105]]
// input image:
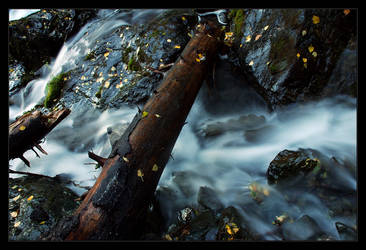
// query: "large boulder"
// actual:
[[290, 55], [36, 204]]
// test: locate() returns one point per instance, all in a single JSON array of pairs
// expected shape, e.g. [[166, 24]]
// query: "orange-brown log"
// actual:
[[116, 205], [29, 129]]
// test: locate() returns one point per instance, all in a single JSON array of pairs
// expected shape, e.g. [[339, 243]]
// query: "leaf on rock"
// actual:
[[298, 55], [14, 214], [266, 27], [144, 114], [22, 127], [17, 224], [257, 37], [303, 33], [16, 198], [316, 19], [155, 168], [315, 54], [311, 48], [304, 59], [30, 198], [140, 174], [346, 12], [248, 38], [125, 159]]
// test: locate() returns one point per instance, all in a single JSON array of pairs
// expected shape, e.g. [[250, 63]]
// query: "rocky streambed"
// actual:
[[268, 151]]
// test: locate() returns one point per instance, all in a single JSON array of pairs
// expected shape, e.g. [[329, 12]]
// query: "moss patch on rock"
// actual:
[[54, 88]]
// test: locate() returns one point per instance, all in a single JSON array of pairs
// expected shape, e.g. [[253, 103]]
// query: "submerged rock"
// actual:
[[304, 228], [36, 204]]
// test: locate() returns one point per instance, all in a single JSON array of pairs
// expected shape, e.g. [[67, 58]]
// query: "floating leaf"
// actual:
[[316, 19], [16, 198], [311, 48], [315, 54], [266, 27], [140, 174], [257, 37], [30, 198], [303, 32], [144, 114], [155, 168], [14, 214], [248, 38], [17, 224], [22, 127], [346, 11]]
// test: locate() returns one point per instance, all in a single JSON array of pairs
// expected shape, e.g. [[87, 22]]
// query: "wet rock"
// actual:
[[36, 205], [346, 232], [259, 134], [276, 50], [214, 128], [304, 228], [208, 198], [33, 40], [289, 163]]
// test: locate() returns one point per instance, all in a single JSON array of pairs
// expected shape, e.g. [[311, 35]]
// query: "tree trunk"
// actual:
[[29, 129], [116, 205]]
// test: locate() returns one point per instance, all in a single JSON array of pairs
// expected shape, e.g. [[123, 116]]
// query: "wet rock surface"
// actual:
[[276, 50], [36, 204]]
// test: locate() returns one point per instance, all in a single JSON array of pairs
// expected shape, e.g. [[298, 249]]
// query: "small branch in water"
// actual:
[[27, 173], [97, 158]]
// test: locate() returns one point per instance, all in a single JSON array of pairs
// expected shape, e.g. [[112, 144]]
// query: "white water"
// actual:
[[328, 126]]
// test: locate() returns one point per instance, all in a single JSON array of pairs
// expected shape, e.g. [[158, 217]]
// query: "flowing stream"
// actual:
[[228, 162]]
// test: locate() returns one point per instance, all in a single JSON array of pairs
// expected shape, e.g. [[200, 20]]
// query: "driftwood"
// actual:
[[116, 205], [29, 129]]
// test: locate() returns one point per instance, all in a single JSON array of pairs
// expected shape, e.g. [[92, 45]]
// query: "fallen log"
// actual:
[[29, 129], [116, 205]]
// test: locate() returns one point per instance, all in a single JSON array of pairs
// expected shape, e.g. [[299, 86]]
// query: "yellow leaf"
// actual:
[[248, 38], [106, 84], [42, 222], [266, 27], [257, 37], [169, 40], [157, 115], [168, 237], [251, 63], [125, 159], [155, 168], [304, 59], [305, 65], [316, 19], [144, 114], [241, 45], [27, 26], [298, 55], [30, 198], [22, 127], [311, 48], [183, 18], [303, 32], [177, 46], [125, 80], [14, 214], [346, 11], [14, 187], [265, 191], [198, 60], [315, 54], [228, 229], [16, 198], [140, 174], [190, 35], [106, 54], [17, 224], [113, 68]]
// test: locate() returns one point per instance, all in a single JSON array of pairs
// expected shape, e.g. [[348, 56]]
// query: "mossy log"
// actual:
[[29, 129], [116, 205]]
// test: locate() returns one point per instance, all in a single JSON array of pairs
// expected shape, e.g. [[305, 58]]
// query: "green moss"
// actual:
[[54, 88], [89, 56], [125, 54], [237, 16], [99, 92], [133, 64]]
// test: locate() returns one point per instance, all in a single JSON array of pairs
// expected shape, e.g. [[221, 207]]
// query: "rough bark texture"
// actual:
[[116, 205], [29, 129]]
